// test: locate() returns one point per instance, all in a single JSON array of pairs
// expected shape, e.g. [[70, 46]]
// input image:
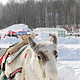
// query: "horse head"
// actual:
[[43, 60]]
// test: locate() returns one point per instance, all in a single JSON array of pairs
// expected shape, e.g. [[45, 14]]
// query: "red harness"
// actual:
[[1, 60], [25, 56], [19, 70], [3, 57], [12, 75]]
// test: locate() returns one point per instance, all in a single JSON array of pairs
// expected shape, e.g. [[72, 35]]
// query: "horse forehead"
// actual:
[[45, 46]]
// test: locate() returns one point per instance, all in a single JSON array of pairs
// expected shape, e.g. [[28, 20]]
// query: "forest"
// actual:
[[45, 13]]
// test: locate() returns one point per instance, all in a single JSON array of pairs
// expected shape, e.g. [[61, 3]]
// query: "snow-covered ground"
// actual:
[[69, 58], [68, 63]]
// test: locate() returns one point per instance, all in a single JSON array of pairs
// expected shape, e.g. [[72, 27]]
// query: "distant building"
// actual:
[[78, 30], [59, 32]]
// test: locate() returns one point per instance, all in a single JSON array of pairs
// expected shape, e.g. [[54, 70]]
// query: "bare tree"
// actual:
[[45, 13]]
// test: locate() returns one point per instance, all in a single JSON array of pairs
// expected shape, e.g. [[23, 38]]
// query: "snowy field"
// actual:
[[69, 58], [68, 63]]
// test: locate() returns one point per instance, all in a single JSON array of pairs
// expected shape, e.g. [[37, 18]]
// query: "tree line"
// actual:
[[45, 13]]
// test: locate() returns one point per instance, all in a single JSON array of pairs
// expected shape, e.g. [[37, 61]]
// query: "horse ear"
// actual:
[[31, 42], [54, 39]]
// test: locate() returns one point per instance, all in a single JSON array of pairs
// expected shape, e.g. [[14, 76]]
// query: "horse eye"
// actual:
[[55, 53], [56, 56], [39, 57]]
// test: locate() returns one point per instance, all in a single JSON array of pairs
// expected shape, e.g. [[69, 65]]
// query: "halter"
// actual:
[[12, 75]]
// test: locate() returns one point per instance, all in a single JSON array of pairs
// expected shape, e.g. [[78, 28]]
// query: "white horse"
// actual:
[[40, 63]]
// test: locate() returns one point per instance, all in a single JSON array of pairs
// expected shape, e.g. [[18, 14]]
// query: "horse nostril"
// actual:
[[44, 75]]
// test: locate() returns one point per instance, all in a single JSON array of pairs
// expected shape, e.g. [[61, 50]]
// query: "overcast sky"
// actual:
[[3, 1]]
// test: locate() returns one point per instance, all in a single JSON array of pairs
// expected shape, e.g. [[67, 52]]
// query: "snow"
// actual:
[[54, 29], [69, 40], [42, 37], [69, 52], [68, 63], [16, 28], [77, 76], [6, 42], [66, 73]]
